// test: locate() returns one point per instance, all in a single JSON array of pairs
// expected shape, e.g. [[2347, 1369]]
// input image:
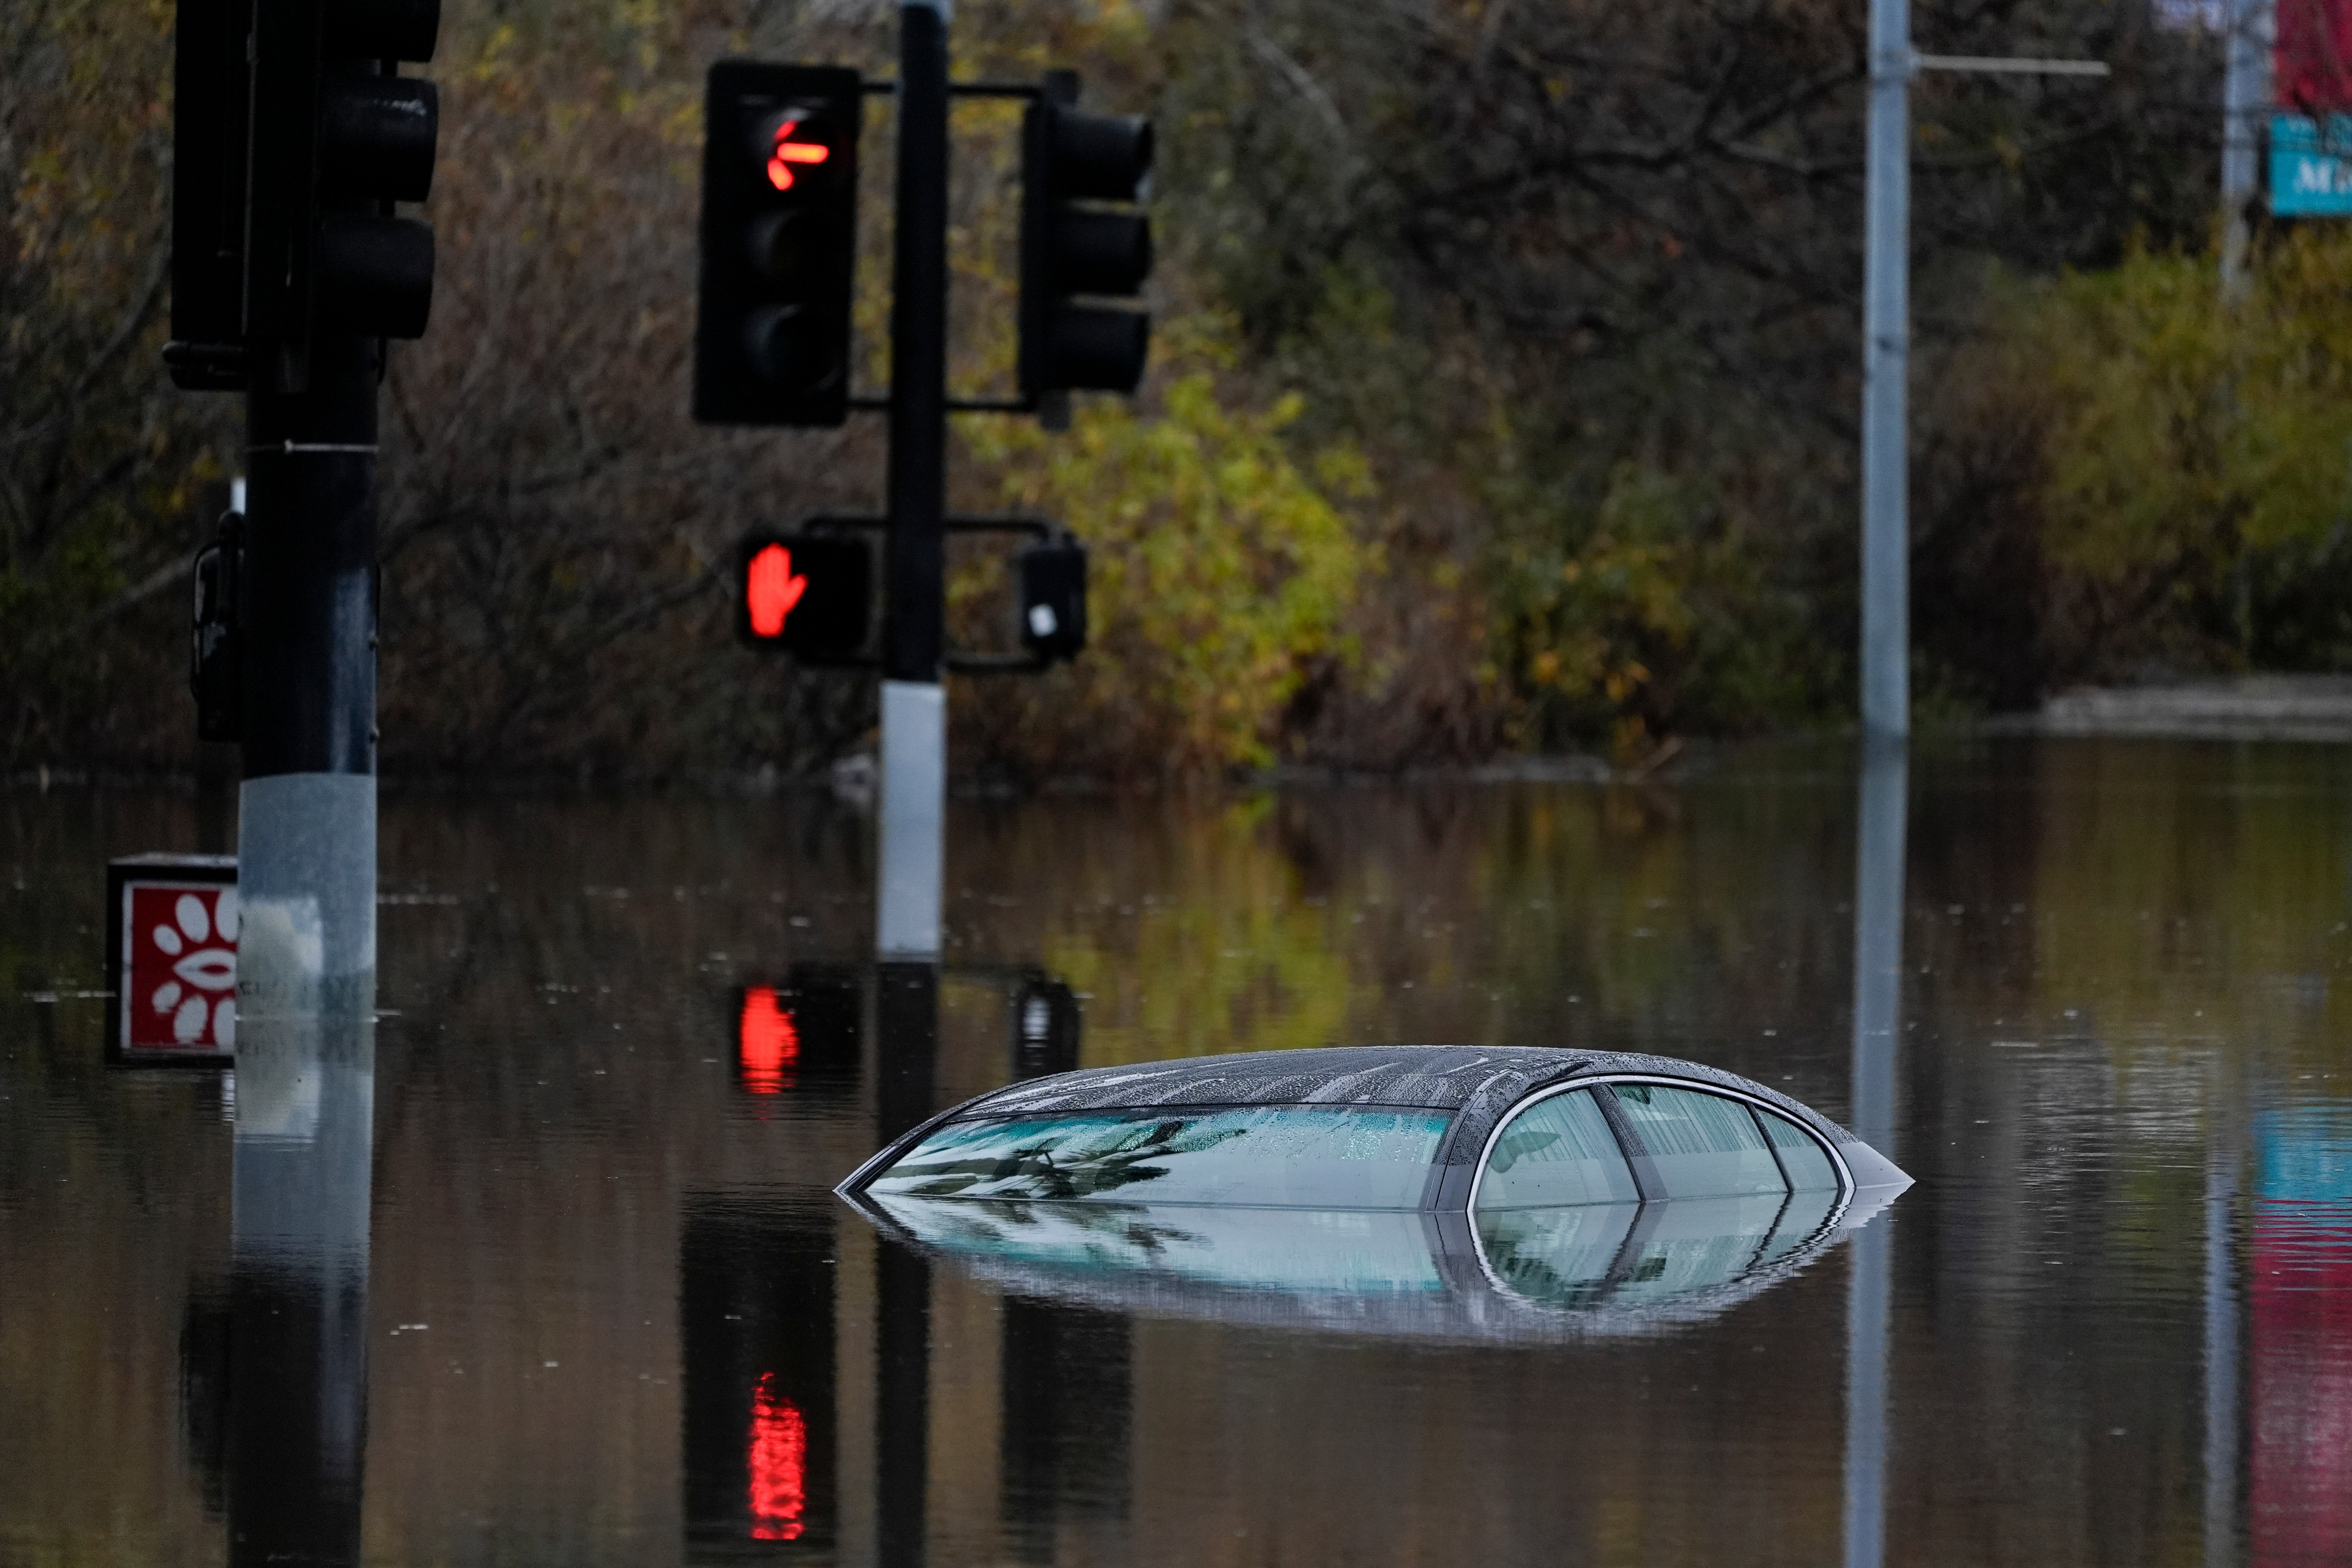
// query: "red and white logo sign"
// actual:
[[181, 992]]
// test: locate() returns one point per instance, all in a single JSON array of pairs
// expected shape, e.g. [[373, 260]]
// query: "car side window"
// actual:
[[1701, 1145], [1809, 1168], [1557, 1150]]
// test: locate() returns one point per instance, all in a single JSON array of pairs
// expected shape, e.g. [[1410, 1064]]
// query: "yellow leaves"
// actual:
[[2182, 428], [1218, 564], [497, 58], [1621, 591]]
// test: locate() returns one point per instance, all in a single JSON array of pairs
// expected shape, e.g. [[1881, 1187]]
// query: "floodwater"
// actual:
[[549, 1270]]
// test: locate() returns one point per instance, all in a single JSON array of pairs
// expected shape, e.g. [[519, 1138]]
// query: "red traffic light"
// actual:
[[785, 149], [779, 242]]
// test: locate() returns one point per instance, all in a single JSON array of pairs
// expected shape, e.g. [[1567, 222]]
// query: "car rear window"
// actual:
[[1808, 1169], [1557, 1150], [1701, 1145], [1282, 1156]]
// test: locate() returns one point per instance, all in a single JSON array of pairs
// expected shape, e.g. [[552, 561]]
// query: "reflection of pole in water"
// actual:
[[756, 1318], [907, 1030], [1067, 1391], [1877, 1024], [298, 1284], [1065, 1376], [2221, 1344]]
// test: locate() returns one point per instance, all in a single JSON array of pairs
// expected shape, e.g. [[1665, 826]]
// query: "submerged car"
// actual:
[[1430, 1189]]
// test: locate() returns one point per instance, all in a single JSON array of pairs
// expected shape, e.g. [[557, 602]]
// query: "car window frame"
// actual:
[[1629, 1144]]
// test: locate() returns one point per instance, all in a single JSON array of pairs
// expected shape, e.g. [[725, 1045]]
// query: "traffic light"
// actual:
[[292, 134], [808, 595], [779, 244], [1085, 249], [336, 137], [208, 107], [1053, 588]]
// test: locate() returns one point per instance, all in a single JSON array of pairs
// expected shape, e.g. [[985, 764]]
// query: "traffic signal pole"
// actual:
[[306, 809], [772, 347], [914, 703]]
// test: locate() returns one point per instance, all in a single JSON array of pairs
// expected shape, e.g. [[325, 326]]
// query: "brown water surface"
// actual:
[[603, 1308]]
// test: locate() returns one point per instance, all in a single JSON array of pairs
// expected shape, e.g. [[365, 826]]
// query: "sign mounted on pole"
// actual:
[[2311, 165], [170, 959]]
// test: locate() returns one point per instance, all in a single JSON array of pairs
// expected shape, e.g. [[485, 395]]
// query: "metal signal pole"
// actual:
[[1886, 369], [306, 833], [1886, 354], [2249, 32], [914, 703], [914, 747]]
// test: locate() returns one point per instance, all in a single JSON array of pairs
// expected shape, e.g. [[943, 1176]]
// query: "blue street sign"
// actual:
[[2311, 166]]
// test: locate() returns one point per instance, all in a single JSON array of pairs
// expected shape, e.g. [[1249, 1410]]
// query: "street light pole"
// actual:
[[2245, 93], [1886, 354], [1885, 362]]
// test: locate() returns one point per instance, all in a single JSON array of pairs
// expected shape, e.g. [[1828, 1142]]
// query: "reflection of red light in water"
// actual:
[[778, 1461], [768, 1043]]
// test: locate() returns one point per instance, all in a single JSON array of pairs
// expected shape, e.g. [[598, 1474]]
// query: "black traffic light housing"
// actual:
[[1053, 591], [807, 593], [1085, 246], [294, 134], [779, 244], [209, 91]]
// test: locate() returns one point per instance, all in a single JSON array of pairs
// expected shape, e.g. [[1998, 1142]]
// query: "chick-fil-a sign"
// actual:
[[173, 951]]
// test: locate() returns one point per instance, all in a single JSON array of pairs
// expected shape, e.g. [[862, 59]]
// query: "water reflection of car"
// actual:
[[1453, 1191]]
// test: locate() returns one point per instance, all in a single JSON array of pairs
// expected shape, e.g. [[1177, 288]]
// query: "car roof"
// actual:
[[1481, 1080]]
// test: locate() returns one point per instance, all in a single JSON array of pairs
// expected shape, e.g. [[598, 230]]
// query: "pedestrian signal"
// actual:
[[808, 595], [1053, 586]]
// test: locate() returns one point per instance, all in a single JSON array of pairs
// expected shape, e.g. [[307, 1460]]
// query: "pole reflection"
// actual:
[[758, 1300], [296, 1428], [756, 1321], [1067, 1388], [1065, 1376], [1877, 1027], [2221, 1346], [907, 1029]]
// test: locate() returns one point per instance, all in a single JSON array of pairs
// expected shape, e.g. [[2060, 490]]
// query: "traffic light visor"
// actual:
[[1100, 157]]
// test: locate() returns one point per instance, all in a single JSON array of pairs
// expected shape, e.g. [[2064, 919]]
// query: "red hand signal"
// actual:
[[789, 151], [770, 590]]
